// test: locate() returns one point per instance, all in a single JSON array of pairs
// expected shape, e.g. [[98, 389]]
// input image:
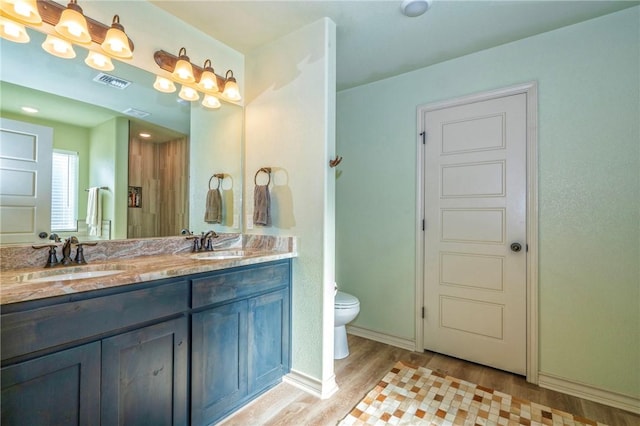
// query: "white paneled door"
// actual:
[[25, 181], [475, 229]]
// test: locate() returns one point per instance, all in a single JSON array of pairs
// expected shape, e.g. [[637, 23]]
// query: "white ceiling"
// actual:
[[374, 39]]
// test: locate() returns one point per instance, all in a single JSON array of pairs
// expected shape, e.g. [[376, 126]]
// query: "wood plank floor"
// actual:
[[369, 361]]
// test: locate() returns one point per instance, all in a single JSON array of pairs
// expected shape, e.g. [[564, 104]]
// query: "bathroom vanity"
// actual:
[[187, 349]]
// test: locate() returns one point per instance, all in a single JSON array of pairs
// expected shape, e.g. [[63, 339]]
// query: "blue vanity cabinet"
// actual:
[[119, 356], [144, 376], [240, 337], [62, 388]]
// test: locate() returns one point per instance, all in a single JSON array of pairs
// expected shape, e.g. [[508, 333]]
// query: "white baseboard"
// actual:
[[311, 385], [581, 390], [398, 342]]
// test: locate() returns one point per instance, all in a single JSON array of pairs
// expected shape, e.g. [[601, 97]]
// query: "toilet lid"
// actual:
[[346, 299]]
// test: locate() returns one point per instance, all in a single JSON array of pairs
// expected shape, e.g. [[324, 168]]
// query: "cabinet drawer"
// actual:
[[37, 329], [239, 283]]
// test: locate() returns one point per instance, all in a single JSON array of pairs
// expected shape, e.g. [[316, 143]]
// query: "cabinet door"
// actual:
[[144, 376], [62, 388], [219, 361], [268, 327]]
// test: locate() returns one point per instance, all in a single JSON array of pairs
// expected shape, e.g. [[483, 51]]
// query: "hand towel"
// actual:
[[261, 205], [213, 208], [94, 212]]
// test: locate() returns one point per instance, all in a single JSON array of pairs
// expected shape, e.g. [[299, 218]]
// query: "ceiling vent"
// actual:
[[112, 81], [136, 113]]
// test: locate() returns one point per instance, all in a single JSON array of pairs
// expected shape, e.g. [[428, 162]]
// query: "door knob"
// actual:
[[516, 247]]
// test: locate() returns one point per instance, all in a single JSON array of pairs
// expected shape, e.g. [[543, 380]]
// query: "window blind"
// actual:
[[64, 191]]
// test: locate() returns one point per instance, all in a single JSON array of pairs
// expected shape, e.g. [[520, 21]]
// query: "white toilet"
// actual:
[[345, 310]]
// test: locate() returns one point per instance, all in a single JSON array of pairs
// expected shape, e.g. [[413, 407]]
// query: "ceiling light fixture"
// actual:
[[414, 8], [205, 80], [29, 109], [69, 25]]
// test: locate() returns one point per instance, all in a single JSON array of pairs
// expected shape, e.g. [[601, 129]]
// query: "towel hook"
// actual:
[[220, 176], [266, 170], [335, 162]]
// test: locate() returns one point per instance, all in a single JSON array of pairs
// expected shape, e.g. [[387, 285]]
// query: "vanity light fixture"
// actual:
[[231, 90], [211, 102], [25, 11], [13, 31], [164, 85], [65, 26], [58, 47], [208, 81], [188, 93], [183, 71], [144, 135], [98, 61], [116, 42], [73, 25], [205, 80]]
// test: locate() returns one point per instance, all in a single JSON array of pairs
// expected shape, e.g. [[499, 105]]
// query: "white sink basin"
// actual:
[[71, 273], [220, 254]]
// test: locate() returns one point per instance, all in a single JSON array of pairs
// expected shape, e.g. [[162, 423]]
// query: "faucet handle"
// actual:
[[196, 240], [52, 260], [79, 259]]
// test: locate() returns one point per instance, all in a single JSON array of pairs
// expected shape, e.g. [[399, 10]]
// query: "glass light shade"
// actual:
[[13, 31], [210, 102], [231, 90], [164, 85], [188, 93], [58, 47], [116, 42], [183, 72], [73, 25], [99, 61], [25, 11], [208, 81]]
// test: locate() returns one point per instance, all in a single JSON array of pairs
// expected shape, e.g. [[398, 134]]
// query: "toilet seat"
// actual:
[[345, 301]]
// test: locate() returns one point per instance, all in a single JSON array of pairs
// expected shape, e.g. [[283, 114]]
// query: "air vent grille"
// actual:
[[112, 81], [136, 113]]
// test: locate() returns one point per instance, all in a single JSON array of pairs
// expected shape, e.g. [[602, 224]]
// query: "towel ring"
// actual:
[[266, 170], [220, 176]]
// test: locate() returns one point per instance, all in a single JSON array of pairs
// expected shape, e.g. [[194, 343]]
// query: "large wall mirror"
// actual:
[[152, 185]]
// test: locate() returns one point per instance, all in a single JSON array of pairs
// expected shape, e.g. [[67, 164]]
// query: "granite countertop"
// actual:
[[19, 286]]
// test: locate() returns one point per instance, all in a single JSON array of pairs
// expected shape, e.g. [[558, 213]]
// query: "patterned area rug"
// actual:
[[410, 395]]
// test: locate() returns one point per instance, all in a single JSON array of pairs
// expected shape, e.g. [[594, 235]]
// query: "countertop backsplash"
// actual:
[[24, 256]]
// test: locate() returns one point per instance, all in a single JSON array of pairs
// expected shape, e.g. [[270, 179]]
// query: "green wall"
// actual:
[[589, 192], [70, 138]]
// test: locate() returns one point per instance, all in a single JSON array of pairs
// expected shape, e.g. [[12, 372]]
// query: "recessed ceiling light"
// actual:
[[413, 8], [145, 135], [29, 110]]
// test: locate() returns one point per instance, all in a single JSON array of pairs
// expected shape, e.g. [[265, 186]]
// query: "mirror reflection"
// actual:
[[131, 140]]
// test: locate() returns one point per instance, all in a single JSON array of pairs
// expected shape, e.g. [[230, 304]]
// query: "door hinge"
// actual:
[[423, 224], [424, 137], [423, 312], [526, 247]]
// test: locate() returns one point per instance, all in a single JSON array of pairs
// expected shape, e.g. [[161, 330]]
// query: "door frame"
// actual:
[[531, 90]]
